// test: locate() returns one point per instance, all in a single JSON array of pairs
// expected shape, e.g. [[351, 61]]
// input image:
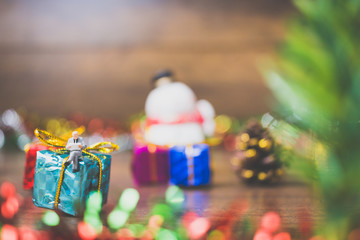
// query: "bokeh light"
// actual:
[[198, 227], [223, 124], [117, 219], [94, 202], [188, 218], [7, 190], [7, 211], [51, 218], [93, 219], [266, 119], [162, 210], [96, 126], [86, 231], [155, 221], [271, 222], [125, 234], [10, 207], [53, 126], [174, 196], [26, 233], [137, 230], [22, 141], [262, 235], [129, 199], [230, 142], [283, 236], [8, 232], [2, 138], [216, 235], [11, 119], [165, 234], [321, 238]]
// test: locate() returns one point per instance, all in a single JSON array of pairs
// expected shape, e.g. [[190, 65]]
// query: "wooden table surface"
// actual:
[[291, 198]]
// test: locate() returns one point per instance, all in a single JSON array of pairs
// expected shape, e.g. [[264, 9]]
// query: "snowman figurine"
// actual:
[[173, 114]]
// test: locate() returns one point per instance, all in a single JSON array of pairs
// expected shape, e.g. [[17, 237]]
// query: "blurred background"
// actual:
[[96, 57], [65, 64]]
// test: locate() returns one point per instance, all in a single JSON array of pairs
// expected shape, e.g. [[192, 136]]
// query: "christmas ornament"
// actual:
[[256, 160]]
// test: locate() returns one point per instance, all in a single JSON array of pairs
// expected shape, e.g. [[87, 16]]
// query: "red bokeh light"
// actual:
[[188, 218], [10, 207], [271, 222], [7, 212], [13, 203], [262, 235], [86, 231], [229, 142], [7, 190], [198, 228], [9, 232], [282, 236], [26, 233], [96, 126]]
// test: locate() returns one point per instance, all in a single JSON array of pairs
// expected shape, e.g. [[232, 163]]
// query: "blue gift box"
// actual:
[[190, 165], [75, 187]]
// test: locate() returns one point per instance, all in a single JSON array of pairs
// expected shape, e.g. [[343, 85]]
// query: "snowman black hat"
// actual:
[[162, 74]]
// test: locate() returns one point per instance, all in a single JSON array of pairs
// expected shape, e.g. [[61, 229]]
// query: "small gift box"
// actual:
[[30, 161], [70, 192], [190, 165], [150, 164], [31, 151]]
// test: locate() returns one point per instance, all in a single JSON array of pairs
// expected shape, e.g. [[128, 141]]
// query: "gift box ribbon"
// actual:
[[58, 145], [189, 153], [66, 135], [153, 163]]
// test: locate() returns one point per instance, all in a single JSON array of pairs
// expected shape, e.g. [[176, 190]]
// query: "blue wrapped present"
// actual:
[[190, 165], [75, 187]]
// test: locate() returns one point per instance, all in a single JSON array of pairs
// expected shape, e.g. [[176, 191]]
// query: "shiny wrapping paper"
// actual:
[[28, 181], [75, 187], [190, 165], [150, 164]]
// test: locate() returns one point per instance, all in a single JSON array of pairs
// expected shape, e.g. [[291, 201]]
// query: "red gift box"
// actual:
[[30, 164]]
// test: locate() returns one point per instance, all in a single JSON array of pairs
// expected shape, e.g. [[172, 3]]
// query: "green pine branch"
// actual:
[[316, 80]]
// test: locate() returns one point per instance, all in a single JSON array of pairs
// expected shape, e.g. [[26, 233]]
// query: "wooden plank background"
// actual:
[[57, 57]]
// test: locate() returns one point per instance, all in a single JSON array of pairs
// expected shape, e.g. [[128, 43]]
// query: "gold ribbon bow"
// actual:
[[59, 146], [66, 135]]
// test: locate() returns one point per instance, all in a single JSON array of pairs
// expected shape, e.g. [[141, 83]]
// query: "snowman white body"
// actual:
[[174, 117]]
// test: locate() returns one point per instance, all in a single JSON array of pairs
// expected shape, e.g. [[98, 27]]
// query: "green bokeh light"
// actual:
[[51, 218], [163, 210], [94, 202], [93, 220], [129, 199], [117, 218], [137, 230], [165, 234], [174, 196]]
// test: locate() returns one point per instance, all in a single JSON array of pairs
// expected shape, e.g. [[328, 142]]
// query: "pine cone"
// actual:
[[256, 161]]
